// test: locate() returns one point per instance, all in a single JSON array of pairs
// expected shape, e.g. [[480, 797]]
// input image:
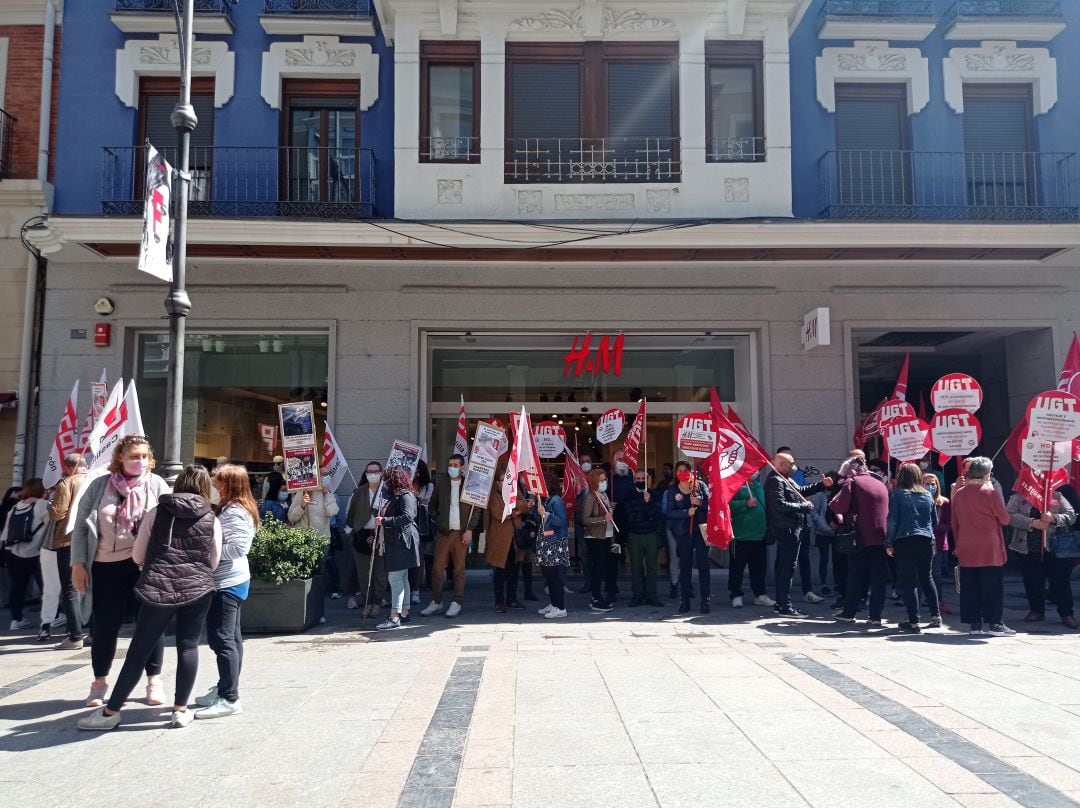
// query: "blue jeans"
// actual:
[[399, 590]]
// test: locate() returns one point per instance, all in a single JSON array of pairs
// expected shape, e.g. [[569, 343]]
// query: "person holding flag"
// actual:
[[500, 550], [598, 517], [748, 547], [686, 508]]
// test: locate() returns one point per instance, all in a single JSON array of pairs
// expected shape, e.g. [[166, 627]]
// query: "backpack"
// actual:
[[19, 527], [526, 532]]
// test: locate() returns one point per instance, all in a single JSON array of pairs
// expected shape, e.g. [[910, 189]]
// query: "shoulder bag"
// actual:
[[1065, 544]]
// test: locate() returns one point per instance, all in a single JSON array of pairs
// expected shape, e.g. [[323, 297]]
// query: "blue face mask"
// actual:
[[453, 472], [932, 489]]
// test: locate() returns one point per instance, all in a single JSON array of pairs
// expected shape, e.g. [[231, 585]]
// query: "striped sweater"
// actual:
[[237, 533]]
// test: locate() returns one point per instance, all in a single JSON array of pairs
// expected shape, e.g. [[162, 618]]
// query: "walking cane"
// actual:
[[376, 549]]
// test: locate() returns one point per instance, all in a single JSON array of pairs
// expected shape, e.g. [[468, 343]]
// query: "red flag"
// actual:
[[1069, 381], [1032, 485], [632, 446], [870, 426], [743, 430], [461, 438], [922, 406], [574, 480], [64, 442], [900, 391], [734, 462], [523, 460], [1014, 444]]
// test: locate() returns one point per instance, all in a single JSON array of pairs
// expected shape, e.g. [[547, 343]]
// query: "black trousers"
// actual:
[[506, 579], [224, 639], [752, 554], [914, 555], [982, 592], [1061, 584], [867, 567], [824, 547], [787, 555], [1037, 568], [20, 572], [70, 599], [603, 568], [114, 586], [1033, 568], [555, 578], [150, 628], [693, 552], [806, 577]]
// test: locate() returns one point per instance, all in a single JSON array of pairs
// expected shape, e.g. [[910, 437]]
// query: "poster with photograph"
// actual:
[[297, 425], [401, 454], [301, 469], [489, 444]]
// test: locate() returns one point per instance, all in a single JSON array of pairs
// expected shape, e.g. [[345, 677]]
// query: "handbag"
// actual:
[[1065, 544], [846, 540], [525, 534]]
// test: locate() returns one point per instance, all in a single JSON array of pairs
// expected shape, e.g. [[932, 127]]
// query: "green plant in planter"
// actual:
[[283, 552]]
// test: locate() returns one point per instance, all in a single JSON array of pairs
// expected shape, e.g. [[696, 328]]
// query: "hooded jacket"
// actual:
[[181, 553]]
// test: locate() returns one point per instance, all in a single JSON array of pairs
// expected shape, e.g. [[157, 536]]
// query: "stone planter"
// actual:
[[290, 607]]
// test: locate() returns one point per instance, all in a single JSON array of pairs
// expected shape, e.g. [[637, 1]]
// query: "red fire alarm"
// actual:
[[102, 334]]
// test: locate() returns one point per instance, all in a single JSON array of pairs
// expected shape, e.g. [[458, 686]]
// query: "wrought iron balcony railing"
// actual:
[[253, 181], [903, 9], [1026, 9], [944, 186], [169, 7], [736, 150], [355, 8], [7, 143], [592, 160], [449, 149]]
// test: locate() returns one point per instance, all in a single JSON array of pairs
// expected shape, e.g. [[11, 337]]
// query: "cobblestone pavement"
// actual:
[[633, 709]]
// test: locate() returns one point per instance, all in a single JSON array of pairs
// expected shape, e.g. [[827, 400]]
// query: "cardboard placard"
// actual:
[[301, 469], [550, 439], [488, 445], [297, 424], [956, 391], [1054, 416], [695, 435], [610, 425]]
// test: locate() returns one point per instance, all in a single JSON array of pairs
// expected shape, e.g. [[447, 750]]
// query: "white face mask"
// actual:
[[603, 486], [283, 496], [621, 468], [586, 466], [454, 472], [373, 477]]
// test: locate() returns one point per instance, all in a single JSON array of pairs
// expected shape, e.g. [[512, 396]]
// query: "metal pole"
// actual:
[[178, 304]]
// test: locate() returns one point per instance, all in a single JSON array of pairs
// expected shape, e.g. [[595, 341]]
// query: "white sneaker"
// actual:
[[99, 721], [415, 598], [431, 608], [208, 699], [555, 613], [219, 709], [454, 610], [61, 620], [736, 602], [181, 718], [764, 600], [19, 625], [1000, 630], [545, 610], [813, 597]]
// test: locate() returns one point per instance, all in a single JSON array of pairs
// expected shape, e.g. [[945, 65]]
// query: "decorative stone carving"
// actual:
[[873, 62], [633, 20], [629, 20], [161, 57], [448, 192], [554, 20], [593, 202], [1001, 63], [530, 201], [736, 189], [659, 200], [320, 57]]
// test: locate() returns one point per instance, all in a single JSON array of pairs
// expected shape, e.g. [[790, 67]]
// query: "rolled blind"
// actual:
[[996, 124], [873, 168], [545, 100], [158, 129], [639, 99], [865, 123]]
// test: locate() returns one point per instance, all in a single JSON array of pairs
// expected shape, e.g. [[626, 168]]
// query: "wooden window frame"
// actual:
[[719, 53], [294, 91], [441, 54]]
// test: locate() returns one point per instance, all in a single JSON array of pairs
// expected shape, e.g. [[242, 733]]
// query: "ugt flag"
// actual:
[[574, 479], [461, 437], [155, 251], [64, 442], [733, 463], [523, 460], [121, 417], [334, 468], [634, 438]]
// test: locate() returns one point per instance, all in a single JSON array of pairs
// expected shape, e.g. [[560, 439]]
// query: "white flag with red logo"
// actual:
[[334, 467], [461, 438], [64, 442], [155, 251], [121, 417], [523, 460], [632, 446]]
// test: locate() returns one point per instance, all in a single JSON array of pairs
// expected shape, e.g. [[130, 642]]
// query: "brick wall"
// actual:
[[23, 95]]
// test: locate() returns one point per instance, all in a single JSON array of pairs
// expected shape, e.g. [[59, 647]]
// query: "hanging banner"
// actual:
[[1040, 454], [401, 454], [894, 409], [908, 440], [488, 446], [955, 432], [550, 439], [301, 469], [610, 425], [155, 250], [695, 435], [1054, 415], [956, 391]]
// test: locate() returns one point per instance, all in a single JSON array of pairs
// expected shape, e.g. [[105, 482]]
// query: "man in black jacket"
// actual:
[[642, 510], [786, 506]]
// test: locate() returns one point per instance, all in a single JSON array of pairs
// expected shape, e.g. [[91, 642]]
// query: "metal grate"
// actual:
[[736, 150], [1028, 9], [84, 656], [170, 6], [359, 8], [449, 149], [878, 8], [591, 160]]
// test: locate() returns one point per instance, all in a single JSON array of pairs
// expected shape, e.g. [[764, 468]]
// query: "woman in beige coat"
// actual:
[[500, 551]]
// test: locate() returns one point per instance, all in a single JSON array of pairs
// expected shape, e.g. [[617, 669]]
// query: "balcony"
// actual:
[[252, 182], [736, 150], [7, 143], [897, 20], [1028, 20], [159, 16], [592, 160], [950, 186], [318, 17]]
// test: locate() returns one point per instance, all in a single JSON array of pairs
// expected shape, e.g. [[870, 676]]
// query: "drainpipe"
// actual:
[[27, 395]]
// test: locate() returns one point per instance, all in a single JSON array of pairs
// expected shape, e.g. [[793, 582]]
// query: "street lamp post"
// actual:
[[178, 304]]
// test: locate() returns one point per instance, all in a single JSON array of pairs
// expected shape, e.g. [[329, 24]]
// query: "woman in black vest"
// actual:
[[178, 548], [400, 542]]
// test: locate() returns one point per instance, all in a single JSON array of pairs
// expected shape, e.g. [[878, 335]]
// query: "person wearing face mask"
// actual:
[[455, 522], [666, 534], [102, 542], [642, 509], [748, 548], [685, 507], [926, 466], [942, 537], [580, 534], [599, 519], [622, 489], [360, 519], [276, 504]]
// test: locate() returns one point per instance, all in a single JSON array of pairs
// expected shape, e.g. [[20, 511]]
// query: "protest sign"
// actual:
[[907, 440], [1041, 454], [894, 409], [610, 425], [695, 435], [488, 446], [1054, 416], [550, 439], [401, 454], [297, 424], [301, 469], [956, 391], [955, 432]]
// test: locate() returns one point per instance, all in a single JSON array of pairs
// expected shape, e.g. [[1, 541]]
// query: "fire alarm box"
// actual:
[[102, 334]]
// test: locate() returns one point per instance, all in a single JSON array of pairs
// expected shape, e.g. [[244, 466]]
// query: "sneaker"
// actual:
[[813, 597], [826, 591], [97, 720], [764, 600], [1000, 630], [209, 698], [977, 630], [431, 608], [454, 610], [181, 718], [704, 605], [875, 623], [543, 612], [736, 602], [842, 618], [935, 622], [654, 602], [59, 622], [599, 605], [554, 614], [909, 628], [19, 625], [97, 694], [69, 644], [351, 603], [635, 602], [333, 596], [44, 635], [404, 618], [500, 608], [385, 625], [790, 611], [415, 599], [219, 709], [155, 693]]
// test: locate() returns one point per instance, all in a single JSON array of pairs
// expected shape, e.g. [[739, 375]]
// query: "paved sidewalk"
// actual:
[[634, 709]]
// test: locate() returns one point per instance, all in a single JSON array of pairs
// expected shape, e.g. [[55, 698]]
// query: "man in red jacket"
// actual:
[[864, 500]]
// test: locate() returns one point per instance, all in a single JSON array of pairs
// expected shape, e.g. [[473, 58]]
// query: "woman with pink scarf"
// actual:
[[110, 511]]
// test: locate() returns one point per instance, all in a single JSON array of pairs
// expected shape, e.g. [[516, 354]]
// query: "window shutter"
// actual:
[[996, 124], [159, 129], [873, 167], [546, 100], [1000, 168], [639, 102], [869, 124]]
